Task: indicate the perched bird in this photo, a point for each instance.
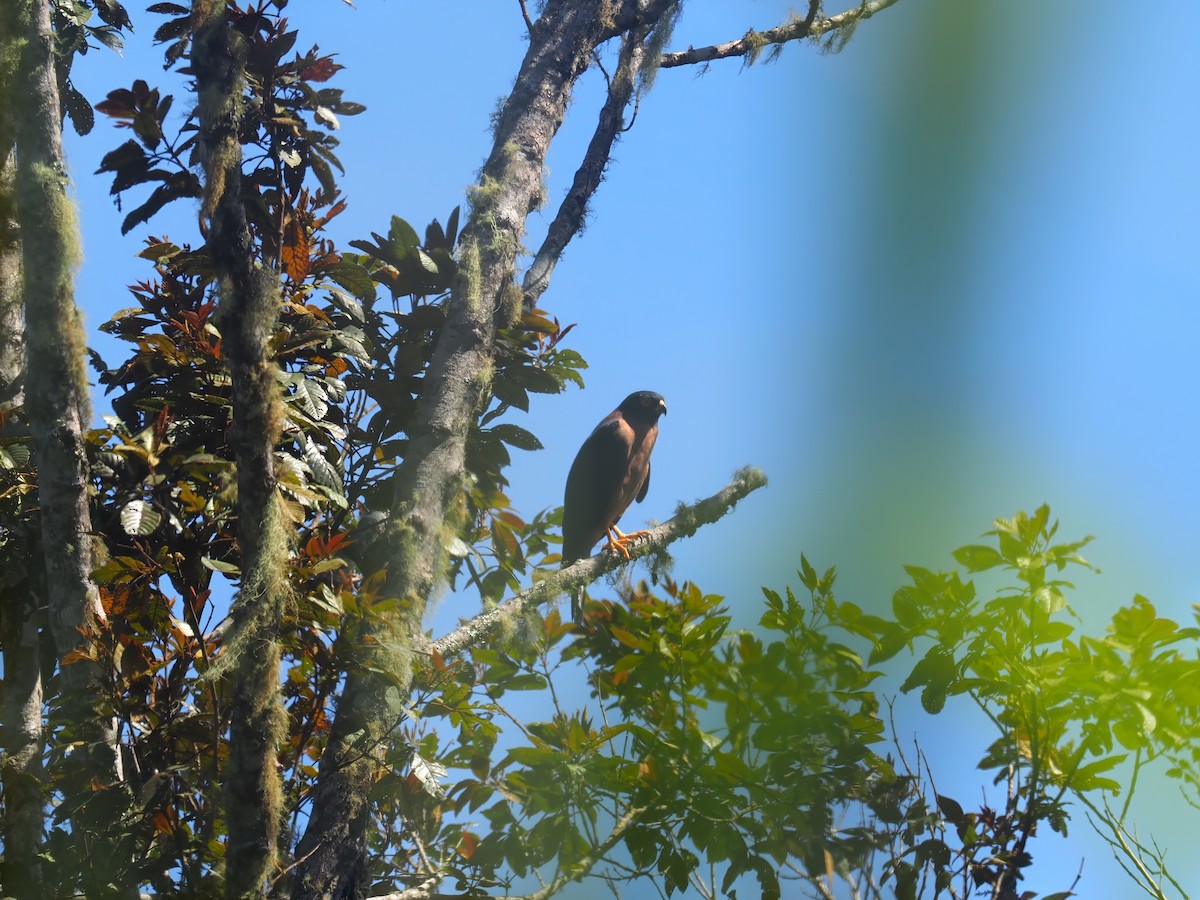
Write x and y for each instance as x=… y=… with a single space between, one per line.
x=611 y=470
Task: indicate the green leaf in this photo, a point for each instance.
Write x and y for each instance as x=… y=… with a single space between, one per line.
x=808 y=575
x=355 y=279
x=511 y=393
x=535 y=379
x=139 y=518
x=951 y=809
x=323 y=471
x=935 y=671
x=1086 y=778
x=402 y=235
x=310 y=396
x=516 y=436
x=906 y=609
x=79 y=110
x=218 y=565
x=430 y=774
x=978 y=557
x=892 y=639
x=177 y=186
x=426 y=261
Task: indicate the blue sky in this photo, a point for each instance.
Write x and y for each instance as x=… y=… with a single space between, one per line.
x=947 y=274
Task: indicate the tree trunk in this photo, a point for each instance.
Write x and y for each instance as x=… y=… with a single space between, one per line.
x=249 y=296
x=429 y=500
x=22 y=773
x=57 y=400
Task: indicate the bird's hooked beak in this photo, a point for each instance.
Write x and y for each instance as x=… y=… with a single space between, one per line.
x=663 y=404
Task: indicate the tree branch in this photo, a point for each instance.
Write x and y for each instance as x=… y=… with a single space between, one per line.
x=753 y=42
x=21 y=772
x=586 y=864
x=249 y=303
x=428 y=503
x=568 y=222
x=525 y=15
x=688 y=519
x=58 y=410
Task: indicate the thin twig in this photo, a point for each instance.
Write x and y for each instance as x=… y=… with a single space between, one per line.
x=525 y=15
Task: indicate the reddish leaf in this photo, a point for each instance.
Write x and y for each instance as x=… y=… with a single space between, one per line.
x=321 y=70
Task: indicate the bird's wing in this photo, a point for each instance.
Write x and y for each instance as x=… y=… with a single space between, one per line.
x=641 y=495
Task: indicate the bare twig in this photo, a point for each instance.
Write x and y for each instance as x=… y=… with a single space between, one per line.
x=687 y=520
x=526 y=17
x=426 y=890
x=752 y=43
x=1129 y=851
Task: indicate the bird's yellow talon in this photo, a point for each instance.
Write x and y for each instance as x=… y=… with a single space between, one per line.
x=620 y=542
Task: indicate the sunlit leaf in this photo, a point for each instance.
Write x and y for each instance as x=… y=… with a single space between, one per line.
x=139 y=518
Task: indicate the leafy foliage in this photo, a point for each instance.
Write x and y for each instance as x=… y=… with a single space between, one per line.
x=704 y=757
x=1067 y=709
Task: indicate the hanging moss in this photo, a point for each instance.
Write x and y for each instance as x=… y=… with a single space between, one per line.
x=656 y=42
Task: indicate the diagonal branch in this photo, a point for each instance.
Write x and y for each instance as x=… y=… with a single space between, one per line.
x=752 y=43
x=687 y=521
x=428 y=502
x=568 y=222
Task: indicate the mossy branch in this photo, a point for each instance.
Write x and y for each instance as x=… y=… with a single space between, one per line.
x=249 y=305
x=57 y=401
x=569 y=220
x=837 y=29
x=688 y=519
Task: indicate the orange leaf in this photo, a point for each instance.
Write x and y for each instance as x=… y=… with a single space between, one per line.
x=466 y=847
x=297 y=249
x=83 y=653
x=321 y=70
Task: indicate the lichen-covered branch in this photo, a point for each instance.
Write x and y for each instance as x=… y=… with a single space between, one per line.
x=750 y=45
x=56 y=392
x=21 y=724
x=430 y=506
x=569 y=220
x=12 y=318
x=249 y=301
x=687 y=520
x=22 y=774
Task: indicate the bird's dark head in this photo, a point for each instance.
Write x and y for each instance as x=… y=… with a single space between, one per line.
x=643 y=406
